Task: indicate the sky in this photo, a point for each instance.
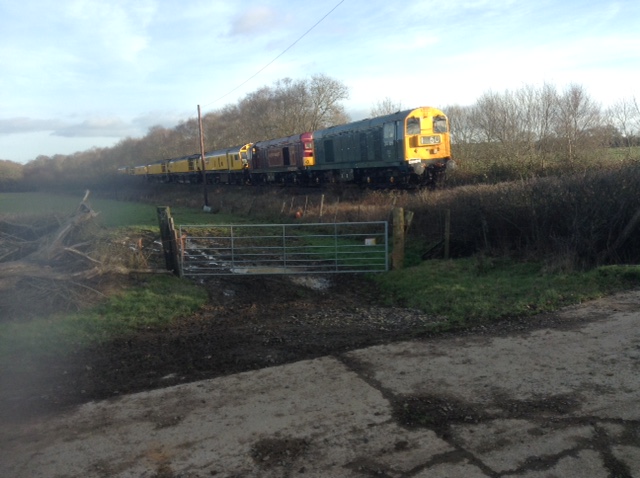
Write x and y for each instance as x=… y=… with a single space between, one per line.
x=77 y=74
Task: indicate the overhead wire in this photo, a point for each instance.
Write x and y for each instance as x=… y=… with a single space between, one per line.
x=273 y=61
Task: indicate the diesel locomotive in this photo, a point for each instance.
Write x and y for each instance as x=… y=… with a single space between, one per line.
x=410 y=148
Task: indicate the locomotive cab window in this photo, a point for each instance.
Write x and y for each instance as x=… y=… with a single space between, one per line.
x=413 y=125
x=439 y=124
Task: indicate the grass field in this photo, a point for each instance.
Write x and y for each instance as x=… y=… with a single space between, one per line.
x=111 y=213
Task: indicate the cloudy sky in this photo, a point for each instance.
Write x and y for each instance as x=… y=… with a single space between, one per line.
x=81 y=73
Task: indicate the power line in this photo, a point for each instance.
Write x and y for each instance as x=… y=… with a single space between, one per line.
x=272 y=61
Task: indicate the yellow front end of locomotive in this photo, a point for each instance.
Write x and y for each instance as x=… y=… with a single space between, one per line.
x=427 y=137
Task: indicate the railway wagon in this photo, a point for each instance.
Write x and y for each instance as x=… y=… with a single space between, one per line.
x=411 y=147
x=186 y=169
x=283 y=160
x=140 y=170
x=229 y=165
x=126 y=170
x=157 y=171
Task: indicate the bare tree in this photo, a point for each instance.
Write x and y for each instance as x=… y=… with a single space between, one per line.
x=463 y=129
x=158 y=144
x=291 y=107
x=578 y=115
x=547 y=113
x=622 y=114
x=385 y=107
x=325 y=95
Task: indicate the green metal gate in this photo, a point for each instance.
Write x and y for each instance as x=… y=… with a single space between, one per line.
x=323 y=248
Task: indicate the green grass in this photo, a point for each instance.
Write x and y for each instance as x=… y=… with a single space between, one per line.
x=157 y=302
x=111 y=213
x=473 y=290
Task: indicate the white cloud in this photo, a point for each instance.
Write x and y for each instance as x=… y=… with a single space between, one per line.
x=27 y=146
x=119 y=25
x=28 y=125
x=97 y=127
x=253 y=21
x=166 y=119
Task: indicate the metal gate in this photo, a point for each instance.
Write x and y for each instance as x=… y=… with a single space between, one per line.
x=329 y=248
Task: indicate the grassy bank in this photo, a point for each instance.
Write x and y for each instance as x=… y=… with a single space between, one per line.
x=470 y=291
x=155 y=302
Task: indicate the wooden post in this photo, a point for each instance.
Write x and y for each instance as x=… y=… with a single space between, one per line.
x=169 y=239
x=447 y=232
x=397 y=256
x=408 y=219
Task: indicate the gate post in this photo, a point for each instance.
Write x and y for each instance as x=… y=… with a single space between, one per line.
x=169 y=239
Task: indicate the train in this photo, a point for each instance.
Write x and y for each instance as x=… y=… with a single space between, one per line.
x=410 y=148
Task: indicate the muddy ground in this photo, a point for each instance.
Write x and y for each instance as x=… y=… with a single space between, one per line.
x=249 y=323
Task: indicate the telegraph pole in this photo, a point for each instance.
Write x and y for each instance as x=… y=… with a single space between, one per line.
x=202 y=163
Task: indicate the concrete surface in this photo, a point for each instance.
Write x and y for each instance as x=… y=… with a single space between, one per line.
x=554 y=402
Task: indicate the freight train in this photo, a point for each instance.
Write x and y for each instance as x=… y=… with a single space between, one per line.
x=410 y=148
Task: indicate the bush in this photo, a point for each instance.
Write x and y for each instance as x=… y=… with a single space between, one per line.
x=587 y=217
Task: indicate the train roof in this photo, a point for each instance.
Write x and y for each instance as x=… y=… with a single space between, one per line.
x=232 y=149
x=283 y=140
x=377 y=120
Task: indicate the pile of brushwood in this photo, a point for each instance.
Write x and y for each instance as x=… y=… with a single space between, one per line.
x=48 y=263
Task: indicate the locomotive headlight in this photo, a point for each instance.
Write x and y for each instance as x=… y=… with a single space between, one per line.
x=425 y=140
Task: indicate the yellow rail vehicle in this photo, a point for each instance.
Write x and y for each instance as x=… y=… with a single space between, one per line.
x=140 y=170
x=185 y=169
x=159 y=168
x=228 y=165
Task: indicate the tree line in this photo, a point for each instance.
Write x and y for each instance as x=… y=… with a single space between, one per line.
x=544 y=128
x=536 y=126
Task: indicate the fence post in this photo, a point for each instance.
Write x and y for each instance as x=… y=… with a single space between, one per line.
x=169 y=239
x=447 y=233
x=397 y=256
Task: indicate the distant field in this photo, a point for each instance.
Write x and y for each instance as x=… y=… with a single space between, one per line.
x=623 y=153
x=111 y=213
